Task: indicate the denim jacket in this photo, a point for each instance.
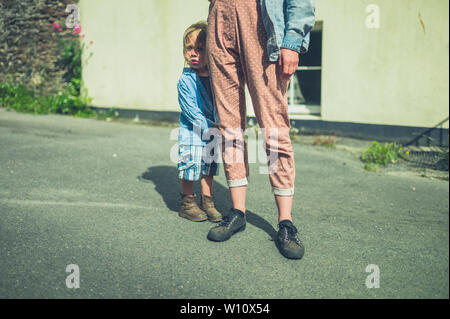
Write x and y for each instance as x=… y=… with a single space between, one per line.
x=287 y=23
x=198 y=112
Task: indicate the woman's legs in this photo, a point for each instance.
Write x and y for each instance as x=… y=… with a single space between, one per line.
x=284 y=204
x=238 y=195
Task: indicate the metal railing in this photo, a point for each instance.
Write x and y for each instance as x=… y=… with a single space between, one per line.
x=427 y=135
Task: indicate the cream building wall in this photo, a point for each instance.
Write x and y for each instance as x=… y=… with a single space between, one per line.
x=137 y=51
x=394 y=75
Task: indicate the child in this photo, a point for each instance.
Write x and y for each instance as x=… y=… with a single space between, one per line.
x=197 y=116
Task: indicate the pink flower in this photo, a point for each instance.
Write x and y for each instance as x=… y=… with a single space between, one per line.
x=83 y=36
x=60 y=29
x=77 y=29
x=55 y=26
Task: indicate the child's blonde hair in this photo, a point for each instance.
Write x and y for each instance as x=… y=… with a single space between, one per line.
x=202 y=26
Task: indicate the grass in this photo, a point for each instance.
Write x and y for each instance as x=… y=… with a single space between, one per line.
x=319 y=140
x=327 y=141
x=22 y=99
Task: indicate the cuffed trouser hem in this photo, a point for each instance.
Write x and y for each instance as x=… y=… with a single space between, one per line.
x=238 y=183
x=283 y=191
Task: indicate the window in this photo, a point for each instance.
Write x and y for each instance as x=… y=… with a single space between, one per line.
x=305 y=87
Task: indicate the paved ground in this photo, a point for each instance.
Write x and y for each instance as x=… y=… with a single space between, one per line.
x=104 y=196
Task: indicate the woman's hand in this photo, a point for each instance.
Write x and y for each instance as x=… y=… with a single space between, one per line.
x=288 y=62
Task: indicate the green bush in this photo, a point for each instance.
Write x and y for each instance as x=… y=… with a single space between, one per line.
x=71 y=61
x=69 y=101
x=383 y=154
x=22 y=99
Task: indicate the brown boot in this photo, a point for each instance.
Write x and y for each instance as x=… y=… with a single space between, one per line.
x=190 y=210
x=210 y=210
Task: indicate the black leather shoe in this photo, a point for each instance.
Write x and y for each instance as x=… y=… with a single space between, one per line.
x=232 y=223
x=288 y=242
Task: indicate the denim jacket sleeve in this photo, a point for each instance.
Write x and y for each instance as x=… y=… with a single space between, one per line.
x=189 y=104
x=299 y=20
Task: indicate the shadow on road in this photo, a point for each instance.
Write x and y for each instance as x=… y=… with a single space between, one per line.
x=165 y=179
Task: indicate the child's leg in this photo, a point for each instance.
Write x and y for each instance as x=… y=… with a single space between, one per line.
x=187 y=187
x=210 y=167
x=209 y=170
x=189 y=171
x=207 y=185
x=208 y=205
x=189 y=165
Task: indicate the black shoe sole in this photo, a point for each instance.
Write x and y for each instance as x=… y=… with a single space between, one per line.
x=221 y=239
x=290 y=255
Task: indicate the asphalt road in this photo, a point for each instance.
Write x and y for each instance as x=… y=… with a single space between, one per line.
x=104 y=196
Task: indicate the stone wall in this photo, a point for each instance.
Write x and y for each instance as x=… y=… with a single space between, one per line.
x=29 y=49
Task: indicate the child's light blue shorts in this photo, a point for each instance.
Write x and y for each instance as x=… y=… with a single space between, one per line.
x=192 y=164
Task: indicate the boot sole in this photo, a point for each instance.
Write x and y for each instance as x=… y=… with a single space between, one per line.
x=201 y=219
x=214 y=220
x=212 y=238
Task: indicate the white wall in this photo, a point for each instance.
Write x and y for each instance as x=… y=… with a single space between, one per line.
x=395 y=75
x=137 y=51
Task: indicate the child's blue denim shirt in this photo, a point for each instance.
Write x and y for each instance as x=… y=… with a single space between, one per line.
x=198 y=112
x=287 y=24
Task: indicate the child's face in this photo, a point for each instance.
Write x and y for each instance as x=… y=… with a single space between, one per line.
x=195 y=54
